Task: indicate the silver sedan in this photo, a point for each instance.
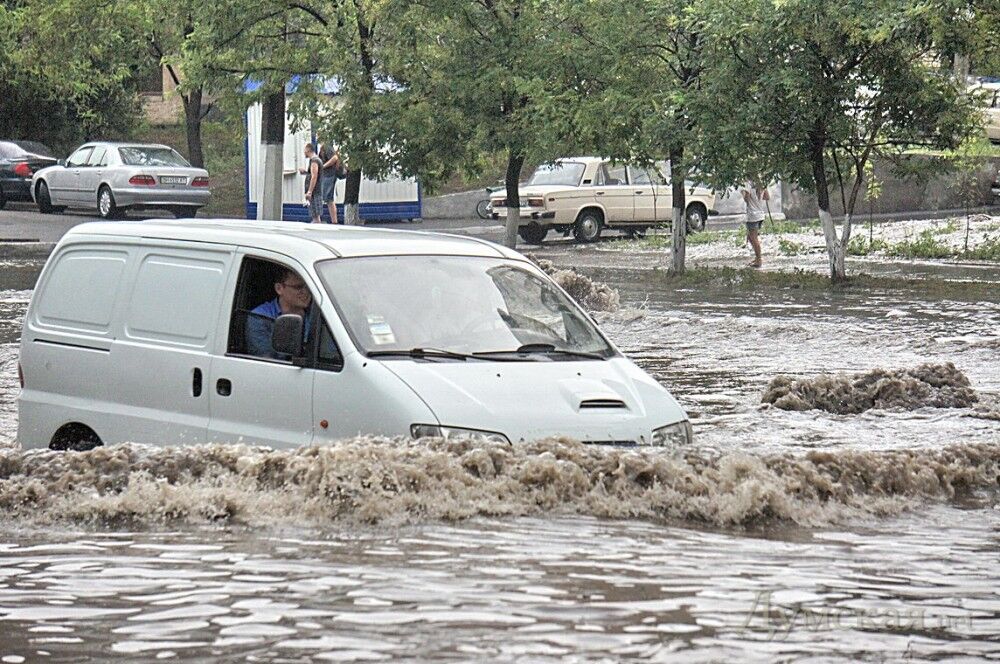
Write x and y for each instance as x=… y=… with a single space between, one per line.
x=115 y=177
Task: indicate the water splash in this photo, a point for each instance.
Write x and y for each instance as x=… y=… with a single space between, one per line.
x=928 y=385
x=385 y=481
x=593 y=295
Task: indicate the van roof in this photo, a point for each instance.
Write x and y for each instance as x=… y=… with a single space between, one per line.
x=319 y=240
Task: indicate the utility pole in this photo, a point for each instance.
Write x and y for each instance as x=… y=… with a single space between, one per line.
x=272 y=143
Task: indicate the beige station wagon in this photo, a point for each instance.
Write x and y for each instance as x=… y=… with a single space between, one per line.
x=585 y=195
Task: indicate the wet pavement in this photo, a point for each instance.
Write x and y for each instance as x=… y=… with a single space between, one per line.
x=870 y=537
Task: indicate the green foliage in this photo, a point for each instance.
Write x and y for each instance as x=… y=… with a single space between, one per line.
x=57 y=87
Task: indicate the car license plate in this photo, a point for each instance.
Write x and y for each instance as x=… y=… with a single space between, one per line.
x=173 y=179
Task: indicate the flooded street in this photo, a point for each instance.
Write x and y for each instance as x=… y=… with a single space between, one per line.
x=781 y=535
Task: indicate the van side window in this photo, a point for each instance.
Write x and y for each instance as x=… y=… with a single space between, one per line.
x=328 y=355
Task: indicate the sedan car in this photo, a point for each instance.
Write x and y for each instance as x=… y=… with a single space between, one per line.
x=18 y=162
x=588 y=194
x=115 y=177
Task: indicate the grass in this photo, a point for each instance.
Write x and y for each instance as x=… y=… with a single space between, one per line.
x=791 y=248
x=223 y=146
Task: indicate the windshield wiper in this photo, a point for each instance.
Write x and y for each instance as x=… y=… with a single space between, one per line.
x=421 y=353
x=545 y=349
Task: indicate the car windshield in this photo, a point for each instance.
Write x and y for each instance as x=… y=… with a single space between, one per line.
x=563 y=173
x=458 y=304
x=137 y=155
x=35 y=148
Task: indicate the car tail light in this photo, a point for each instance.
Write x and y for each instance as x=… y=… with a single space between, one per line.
x=142 y=180
x=20 y=375
x=22 y=170
x=536 y=202
x=199 y=182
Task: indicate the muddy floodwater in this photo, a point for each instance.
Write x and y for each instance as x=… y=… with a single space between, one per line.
x=781 y=535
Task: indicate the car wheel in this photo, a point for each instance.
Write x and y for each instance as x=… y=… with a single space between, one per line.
x=43 y=198
x=588 y=226
x=3 y=198
x=696 y=217
x=533 y=233
x=106 y=203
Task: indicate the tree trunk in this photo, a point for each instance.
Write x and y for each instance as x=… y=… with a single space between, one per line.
x=834 y=249
x=515 y=161
x=352 y=190
x=192 y=127
x=272 y=139
x=678 y=229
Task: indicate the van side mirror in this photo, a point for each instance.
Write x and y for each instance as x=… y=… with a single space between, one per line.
x=286 y=339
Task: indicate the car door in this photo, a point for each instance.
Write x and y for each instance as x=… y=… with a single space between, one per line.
x=257 y=400
x=163 y=352
x=613 y=192
x=64 y=183
x=90 y=177
x=645 y=195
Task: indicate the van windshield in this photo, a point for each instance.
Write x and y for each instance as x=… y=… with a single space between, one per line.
x=458 y=304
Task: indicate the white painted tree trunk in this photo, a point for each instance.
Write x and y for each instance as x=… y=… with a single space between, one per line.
x=836 y=246
x=513 y=217
x=679 y=242
x=352 y=215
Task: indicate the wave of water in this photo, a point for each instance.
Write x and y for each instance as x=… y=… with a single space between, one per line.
x=385 y=481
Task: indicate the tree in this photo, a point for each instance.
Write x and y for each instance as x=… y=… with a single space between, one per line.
x=637 y=69
x=56 y=88
x=484 y=69
x=811 y=92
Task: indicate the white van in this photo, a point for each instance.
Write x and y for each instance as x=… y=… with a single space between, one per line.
x=180 y=332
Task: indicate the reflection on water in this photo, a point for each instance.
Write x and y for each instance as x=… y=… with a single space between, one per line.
x=644 y=582
x=531 y=588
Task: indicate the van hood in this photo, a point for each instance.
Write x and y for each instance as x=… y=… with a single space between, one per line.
x=597 y=400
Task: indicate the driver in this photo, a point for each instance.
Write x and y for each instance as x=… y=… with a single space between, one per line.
x=293 y=297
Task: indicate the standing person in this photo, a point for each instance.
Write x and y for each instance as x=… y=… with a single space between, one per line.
x=314 y=198
x=755 y=195
x=330 y=156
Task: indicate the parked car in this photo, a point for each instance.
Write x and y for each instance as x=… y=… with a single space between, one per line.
x=115 y=177
x=588 y=194
x=18 y=162
x=146 y=332
x=987 y=91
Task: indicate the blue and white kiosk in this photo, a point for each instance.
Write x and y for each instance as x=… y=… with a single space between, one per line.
x=393 y=199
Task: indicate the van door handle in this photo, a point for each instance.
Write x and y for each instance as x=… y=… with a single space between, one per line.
x=224 y=387
x=196 y=383
x=598 y=193
x=639 y=192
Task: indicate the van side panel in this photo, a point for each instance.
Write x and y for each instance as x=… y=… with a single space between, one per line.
x=162 y=354
x=66 y=342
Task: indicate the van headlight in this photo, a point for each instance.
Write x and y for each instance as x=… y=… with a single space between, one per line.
x=438 y=431
x=678 y=433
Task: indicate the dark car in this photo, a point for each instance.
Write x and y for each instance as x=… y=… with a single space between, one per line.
x=18 y=162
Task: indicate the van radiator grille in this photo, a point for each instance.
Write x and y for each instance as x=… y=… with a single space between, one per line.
x=602 y=403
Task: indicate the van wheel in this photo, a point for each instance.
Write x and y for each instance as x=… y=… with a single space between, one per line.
x=75 y=437
x=588 y=226
x=533 y=233
x=696 y=215
x=106 y=203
